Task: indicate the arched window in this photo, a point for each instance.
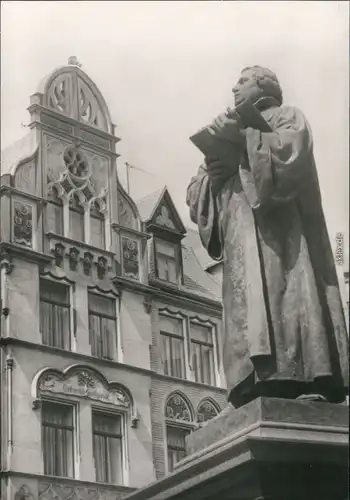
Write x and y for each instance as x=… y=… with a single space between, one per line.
x=58 y=395
x=179 y=423
x=54 y=212
x=206 y=411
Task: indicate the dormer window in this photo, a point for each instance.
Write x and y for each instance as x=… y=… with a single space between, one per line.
x=167 y=261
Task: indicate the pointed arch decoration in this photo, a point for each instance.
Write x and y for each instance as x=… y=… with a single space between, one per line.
x=178 y=409
x=207 y=410
x=69 y=91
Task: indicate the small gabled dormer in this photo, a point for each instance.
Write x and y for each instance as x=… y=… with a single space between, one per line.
x=163 y=222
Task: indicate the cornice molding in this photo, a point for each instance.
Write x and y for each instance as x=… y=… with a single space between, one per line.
x=25 y=253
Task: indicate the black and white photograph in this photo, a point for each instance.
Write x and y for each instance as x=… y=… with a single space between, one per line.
x=174 y=250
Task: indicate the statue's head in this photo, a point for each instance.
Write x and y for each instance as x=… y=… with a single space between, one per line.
x=256 y=82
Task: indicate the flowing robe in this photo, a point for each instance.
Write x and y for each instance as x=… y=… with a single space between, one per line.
x=282 y=310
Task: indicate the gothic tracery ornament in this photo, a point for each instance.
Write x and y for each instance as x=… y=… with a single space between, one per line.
x=206 y=411
x=177 y=409
x=164 y=219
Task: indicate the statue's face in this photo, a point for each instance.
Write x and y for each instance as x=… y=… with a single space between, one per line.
x=246 y=88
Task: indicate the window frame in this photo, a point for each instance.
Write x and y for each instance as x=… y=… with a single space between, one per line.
x=177 y=259
x=123 y=415
x=75 y=206
x=163 y=333
x=188 y=428
x=71 y=309
x=116 y=338
x=98 y=215
x=54 y=200
x=211 y=327
x=74 y=406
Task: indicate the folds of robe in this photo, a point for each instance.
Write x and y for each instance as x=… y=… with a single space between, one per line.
x=282 y=310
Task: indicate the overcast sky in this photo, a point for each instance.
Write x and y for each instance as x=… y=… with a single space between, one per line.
x=167 y=68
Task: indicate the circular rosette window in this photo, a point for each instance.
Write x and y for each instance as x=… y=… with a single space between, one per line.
x=77 y=164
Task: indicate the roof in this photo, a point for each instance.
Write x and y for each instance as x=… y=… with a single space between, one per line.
x=16 y=152
x=196 y=278
x=148 y=203
x=192 y=239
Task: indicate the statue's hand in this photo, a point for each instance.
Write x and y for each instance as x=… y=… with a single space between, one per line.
x=228 y=128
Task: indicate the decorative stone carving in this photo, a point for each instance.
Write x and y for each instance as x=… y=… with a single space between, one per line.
x=6 y=262
x=84 y=383
x=75 y=171
x=87 y=262
x=147 y=304
x=23 y=223
x=59 y=94
x=101 y=267
x=89 y=108
x=24 y=493
x=73 y=258
x=176 y=408
x=130 y=256
x=206 y=411
x=163 y=219
x=67 y=491
x=76 y=163
x=59 y=252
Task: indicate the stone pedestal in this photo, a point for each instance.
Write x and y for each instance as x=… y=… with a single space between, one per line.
x=269 y=449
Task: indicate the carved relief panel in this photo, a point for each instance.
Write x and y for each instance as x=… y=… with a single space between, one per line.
x=130 y=258
x=84 y=383
x=22 y=223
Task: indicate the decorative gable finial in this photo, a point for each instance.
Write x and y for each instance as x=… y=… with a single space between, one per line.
x=73 y=61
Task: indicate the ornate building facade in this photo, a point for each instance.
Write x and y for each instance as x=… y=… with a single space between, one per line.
x=110 y=323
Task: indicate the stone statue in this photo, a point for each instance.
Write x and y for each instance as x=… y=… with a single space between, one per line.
x=284 y=330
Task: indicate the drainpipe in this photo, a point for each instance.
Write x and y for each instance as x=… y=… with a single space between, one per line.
x=9 y=368
x=6 y=268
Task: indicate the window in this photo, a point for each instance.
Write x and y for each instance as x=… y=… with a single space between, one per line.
x=167 y=261
x=102 y=326
x=176 y=445
x=76 y=220
x=58 y=439
x=97 y=228
x=54 y=213
x=202 y=353
x=55 y=314
x=172 y=346
x=107 y=447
